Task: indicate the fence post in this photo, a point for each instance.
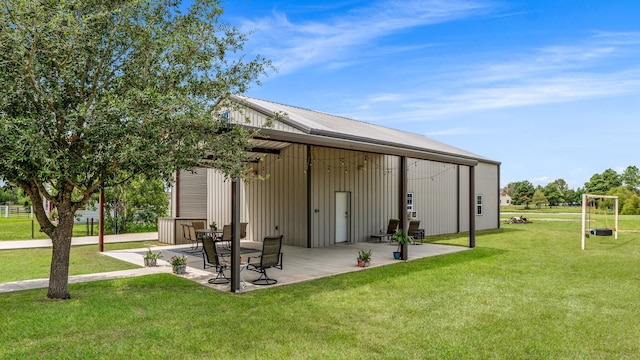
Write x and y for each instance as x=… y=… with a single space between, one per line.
x=91 y=226
x=32 y=234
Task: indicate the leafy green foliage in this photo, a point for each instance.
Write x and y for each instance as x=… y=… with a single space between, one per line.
x=94 y=92
x=138 y=202
x=522 y=192
x=601 y=183
x=8 y=194
x=539 y=199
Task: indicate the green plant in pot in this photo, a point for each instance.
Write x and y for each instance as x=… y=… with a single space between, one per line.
x=403 y=244
x=213 y=226
x=178 y=264
x=151 y=258
x=364 y=258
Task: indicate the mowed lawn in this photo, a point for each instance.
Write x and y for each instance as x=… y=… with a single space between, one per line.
x=26 y=229
x=526 y=292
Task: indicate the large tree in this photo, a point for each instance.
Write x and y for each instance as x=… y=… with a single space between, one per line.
x=600 y=184
x=93 y=92
x=555 y=191
x=523 y=192
x=631 y=177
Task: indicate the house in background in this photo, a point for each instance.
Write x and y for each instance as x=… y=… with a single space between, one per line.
x=329 y=179
x=505 y=199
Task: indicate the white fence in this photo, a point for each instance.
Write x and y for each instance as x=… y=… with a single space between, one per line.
x=16 y=211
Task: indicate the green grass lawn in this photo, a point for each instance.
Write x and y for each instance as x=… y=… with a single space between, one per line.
x=526 y=292
x=27 y=264
x=21 y=229
x=26 y=229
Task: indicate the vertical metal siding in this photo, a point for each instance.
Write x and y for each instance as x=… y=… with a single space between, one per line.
x=486 y=185
x=434 y=188
x=278 y=204
x=193 y=193
x=463 y=212
x=371 y=179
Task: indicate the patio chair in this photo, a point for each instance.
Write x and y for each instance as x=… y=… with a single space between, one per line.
x=271 y=257
x=243 y=230
x=212 y=258
x=198 y=225
x=225 y=238
x=415 y=231
x=191 y=236
x=391 y=229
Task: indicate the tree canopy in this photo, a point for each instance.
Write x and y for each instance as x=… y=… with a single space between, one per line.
x=522 y=193
x=94 y=92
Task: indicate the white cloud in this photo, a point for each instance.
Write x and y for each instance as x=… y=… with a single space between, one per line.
x=292 y=45
x=546 y=75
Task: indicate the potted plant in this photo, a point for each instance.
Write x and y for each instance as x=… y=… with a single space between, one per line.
x=178 y=264
x=151 y=258
x=364 y=258
x=403 y=244
x=213 y=226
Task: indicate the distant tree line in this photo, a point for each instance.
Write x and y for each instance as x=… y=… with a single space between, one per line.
x=626 y=186
x=13 y=195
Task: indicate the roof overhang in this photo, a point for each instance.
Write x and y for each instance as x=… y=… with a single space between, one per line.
x=330 y=139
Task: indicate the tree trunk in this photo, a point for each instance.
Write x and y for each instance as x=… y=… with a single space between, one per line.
x=59 y=274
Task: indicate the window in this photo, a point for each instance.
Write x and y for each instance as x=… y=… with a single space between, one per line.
x=478 y=204
x=409 y=202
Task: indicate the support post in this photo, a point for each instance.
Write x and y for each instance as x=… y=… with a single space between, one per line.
x=101 y=222
x=235 y=235
x=402 y=206
x=584 y=219
x=472 y=207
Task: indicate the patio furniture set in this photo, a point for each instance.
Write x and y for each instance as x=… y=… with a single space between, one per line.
x=387 y=235
x=216 y=252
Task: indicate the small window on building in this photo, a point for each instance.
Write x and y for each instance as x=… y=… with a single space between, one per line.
x=409 y=202
x=479 y=205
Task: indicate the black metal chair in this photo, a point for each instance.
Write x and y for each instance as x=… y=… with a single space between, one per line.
x=271 y=257
x=212 y=258
x=415 y=231
x=391 y=229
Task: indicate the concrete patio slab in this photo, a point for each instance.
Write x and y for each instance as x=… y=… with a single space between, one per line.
x=299 y=264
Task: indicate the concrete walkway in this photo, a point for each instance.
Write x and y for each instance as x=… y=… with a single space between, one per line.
x=84 y=240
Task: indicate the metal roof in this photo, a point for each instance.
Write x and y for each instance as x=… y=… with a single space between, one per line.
x=325 y=129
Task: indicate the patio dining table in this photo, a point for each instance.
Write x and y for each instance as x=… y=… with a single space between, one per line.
x=215 y=234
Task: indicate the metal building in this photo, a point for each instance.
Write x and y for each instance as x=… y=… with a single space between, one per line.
x=329 y=179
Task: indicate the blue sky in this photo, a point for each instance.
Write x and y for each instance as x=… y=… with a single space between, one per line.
x=549 y=88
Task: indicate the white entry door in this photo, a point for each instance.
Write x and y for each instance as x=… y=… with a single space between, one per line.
x=343 y=216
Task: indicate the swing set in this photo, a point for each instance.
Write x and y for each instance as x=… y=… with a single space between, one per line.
x=586 y=218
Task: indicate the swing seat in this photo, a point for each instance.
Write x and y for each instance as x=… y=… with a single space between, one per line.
x=601 y=232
